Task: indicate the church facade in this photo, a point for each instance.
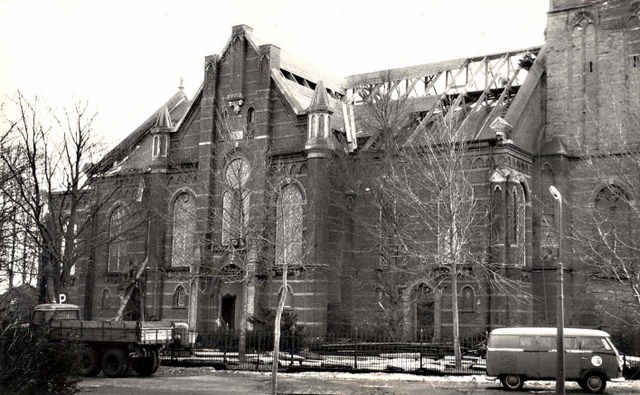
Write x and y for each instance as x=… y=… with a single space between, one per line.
x=203 y=205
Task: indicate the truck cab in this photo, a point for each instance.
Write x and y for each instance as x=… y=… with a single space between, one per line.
x=44 y=313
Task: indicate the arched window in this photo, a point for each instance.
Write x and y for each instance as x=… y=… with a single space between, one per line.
x=156 y=146
x=521 y=224
x=250 y=121
x=468 y=296
x=497 y=217
x=633 y=68
x=289 y=226
x=235 y=201
x=68 y=245
x=584 y=76
x=612 y=204
x=444 y=228
x=613 y=225
x=511 y=217
x=105 y=302
x=185 y=249
x=633 y=40
x=118 y=243
x=180 y=297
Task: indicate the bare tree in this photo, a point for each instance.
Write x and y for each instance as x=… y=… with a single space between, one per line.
x=433 y=225
x=47 y=181
x=605 y=231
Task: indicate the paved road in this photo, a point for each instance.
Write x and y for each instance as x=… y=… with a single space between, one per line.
x=208 y=381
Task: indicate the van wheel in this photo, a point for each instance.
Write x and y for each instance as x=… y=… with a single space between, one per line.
x=594 y=383
x=512 y=382
x=115 y=363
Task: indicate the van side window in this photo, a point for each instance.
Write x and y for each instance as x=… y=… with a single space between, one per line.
x=528 y=343
x=591 y=343
x=571 y=343
x=547 y=343
x=504 y=341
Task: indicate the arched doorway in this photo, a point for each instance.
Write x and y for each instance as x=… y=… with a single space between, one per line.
x=228 y=311
x=424 y=312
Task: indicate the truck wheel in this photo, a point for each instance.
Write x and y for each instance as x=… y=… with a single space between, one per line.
x=115 y=363
x=147 y=366
x=88 y=362
x=594 y=383
x=512 y=382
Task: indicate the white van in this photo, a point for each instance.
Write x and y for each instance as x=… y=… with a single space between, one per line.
x=515 y=355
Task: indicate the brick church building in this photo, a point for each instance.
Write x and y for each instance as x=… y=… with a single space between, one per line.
x=191 y=215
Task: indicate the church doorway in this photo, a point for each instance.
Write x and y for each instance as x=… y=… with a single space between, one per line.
x=228 y=311
x=426 y=313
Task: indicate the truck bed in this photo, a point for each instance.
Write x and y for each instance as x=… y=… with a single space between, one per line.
x=143 y=332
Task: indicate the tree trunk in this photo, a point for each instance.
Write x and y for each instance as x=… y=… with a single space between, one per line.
x=276 y=331
x=454 y=256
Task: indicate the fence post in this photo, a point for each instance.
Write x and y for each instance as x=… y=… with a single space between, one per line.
x=224 y=346
x=355 y=351
x=421 y=338
x=291 y=342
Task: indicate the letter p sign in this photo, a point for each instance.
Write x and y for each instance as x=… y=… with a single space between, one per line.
x=62 y=298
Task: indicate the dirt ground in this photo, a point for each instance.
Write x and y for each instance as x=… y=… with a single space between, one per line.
x=205 y=380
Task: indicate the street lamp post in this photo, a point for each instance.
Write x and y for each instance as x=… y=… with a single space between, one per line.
x=560 y=309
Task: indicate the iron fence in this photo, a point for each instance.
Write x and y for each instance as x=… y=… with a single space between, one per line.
x=351 y=352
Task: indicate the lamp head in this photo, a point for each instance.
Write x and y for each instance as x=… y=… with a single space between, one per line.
x=555 y=193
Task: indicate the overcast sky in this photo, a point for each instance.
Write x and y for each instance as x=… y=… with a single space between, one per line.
x=127 y=57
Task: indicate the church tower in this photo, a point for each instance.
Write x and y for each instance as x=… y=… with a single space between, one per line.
x=588 y=41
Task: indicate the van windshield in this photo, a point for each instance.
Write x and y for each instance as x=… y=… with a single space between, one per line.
x=594 y=344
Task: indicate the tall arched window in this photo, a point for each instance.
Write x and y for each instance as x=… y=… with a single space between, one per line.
x=250 y=121
x=614 y=226
x=497 y=224
x=185 y=249
x=497 y=217
x=548 y=227
x=118 y=242
x=289 y=226
x=520 y=225
x=583 y=68
x=511 y=217
x=235 y=201
x=633 y=68
x=180 y=297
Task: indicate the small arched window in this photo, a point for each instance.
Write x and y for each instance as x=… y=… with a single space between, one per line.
x=156 y=146
x=468 y=296
x=180 y=297
x=106 y=299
